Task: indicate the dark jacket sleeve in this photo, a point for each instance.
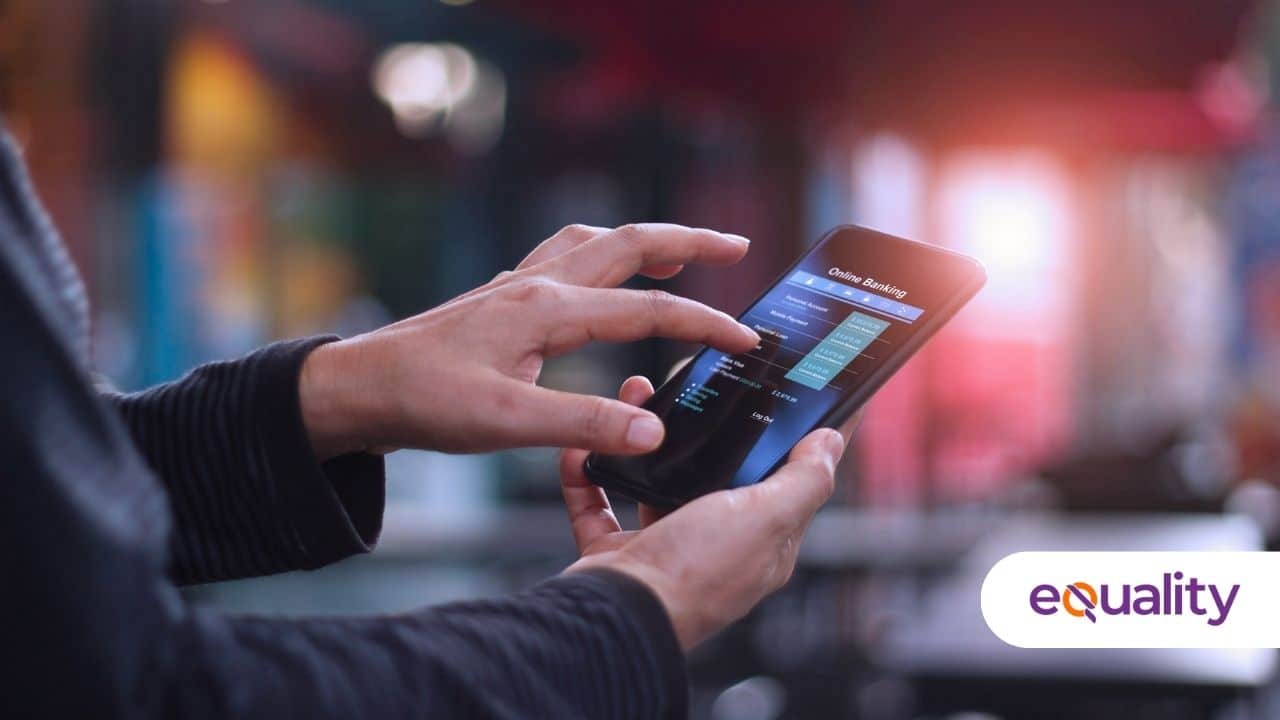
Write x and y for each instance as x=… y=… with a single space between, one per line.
x=94 y=628
x=592 y=645
x=249 y=498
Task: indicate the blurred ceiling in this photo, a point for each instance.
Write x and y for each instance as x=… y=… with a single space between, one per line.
x=1086 y=74
x=1130 y=73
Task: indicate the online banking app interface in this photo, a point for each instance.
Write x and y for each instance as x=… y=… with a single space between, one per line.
x=823 y=328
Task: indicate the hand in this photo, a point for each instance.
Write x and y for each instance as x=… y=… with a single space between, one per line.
x=712 y=560
x=461 y=377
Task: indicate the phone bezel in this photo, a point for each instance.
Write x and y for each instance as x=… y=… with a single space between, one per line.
x=857 y=397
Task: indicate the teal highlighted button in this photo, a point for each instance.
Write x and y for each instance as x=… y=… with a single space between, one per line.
x=836 y=350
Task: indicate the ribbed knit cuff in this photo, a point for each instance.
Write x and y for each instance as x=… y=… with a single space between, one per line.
x=647 y=638
x=335 y=507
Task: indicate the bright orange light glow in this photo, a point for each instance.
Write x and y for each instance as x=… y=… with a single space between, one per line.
x=888 y=186
x=1012 y=213
x=989 y=399
x=1006 y=225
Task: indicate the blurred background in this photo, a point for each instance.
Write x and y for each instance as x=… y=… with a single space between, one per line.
x=229 y=172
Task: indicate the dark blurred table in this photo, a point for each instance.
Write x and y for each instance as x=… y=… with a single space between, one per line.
x=839 y=538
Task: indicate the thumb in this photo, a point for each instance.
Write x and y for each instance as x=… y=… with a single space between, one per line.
x=802 y=485
x=544 y=417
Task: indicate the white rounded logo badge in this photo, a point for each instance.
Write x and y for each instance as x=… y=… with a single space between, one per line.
x=1134 y=599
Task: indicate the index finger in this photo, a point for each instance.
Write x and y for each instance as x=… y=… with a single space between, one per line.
x=610 y=258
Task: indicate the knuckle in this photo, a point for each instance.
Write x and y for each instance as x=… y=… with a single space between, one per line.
x=783 y=575
x=503 y=277
x=505 y=405
x=659 y=303
x=632 y=234
x=575 y=231
x=820 y=472
x=786 y=565
x=532 y=290
x=819 y=477
x=776 y=524
x=594 y=418
x=826 y=480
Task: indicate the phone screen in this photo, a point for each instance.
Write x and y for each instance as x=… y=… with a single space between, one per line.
x=832 y=329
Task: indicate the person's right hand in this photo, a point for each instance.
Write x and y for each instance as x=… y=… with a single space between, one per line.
x=712 y=560
x=462 y=377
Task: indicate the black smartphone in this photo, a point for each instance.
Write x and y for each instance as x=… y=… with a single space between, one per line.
x=834 y=327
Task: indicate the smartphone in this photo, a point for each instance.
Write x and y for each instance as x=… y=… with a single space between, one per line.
x=833 y=328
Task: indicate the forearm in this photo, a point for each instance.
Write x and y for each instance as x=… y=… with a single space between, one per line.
x=592 y=646
x=249 y=496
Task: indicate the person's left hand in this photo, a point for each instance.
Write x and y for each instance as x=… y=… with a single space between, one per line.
x=709 y=561
x=462 y=377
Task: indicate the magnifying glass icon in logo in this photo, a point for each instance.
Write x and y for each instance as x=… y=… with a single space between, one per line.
x=1083 y=593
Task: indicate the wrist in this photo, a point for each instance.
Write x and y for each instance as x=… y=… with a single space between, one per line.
x=328 y=404
x=689 y=626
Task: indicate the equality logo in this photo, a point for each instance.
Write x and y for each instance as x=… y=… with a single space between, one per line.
x=1134 y=599
x=1171 y=597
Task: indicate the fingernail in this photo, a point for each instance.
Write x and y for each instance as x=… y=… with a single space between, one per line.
x=750 y=332
x=644 y=432
x=835 y=445
x=739 y=238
